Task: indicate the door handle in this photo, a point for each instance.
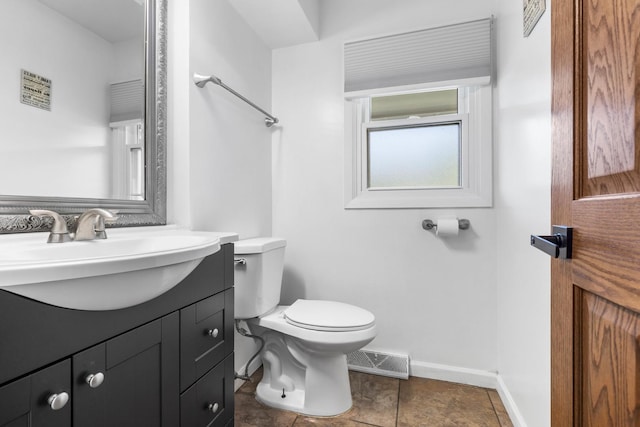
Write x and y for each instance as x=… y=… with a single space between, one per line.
x=558 y=245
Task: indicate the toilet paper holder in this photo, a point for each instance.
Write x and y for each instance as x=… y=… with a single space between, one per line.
x=463 y=224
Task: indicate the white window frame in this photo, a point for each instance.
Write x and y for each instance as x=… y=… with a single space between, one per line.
x=475 y=112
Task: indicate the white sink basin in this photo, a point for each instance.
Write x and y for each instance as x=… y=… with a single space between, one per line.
x=132 y=266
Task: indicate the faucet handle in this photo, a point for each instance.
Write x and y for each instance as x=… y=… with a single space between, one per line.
x=90 y=225
x=99 y=226
x=59 y=231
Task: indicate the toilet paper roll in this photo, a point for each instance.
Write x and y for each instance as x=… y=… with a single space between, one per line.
x=447 y=227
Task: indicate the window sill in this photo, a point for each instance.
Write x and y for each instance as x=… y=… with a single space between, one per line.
x=419 y=199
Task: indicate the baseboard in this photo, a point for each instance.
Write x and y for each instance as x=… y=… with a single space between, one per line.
x=510 y=405
x=454 y=374
x=475 y=377
x=255 y=364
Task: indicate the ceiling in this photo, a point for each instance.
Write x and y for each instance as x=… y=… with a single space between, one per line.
x=113 y=20
x=281 y=23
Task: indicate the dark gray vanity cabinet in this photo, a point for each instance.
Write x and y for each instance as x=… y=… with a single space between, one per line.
x=166 y=363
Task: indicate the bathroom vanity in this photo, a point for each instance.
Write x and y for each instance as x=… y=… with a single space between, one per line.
x=166 y=362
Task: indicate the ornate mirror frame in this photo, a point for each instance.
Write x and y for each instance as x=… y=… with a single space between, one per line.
x=14 y=210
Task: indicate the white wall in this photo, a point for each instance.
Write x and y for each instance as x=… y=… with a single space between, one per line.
x=433 y=299
x=178 y=116
x=523 y=163
x=479 y=302
x=128 y=61
x=219 y=148
x=230 y=144
x=74 y=135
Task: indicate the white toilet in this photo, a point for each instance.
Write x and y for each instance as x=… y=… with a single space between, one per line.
x=304 y=356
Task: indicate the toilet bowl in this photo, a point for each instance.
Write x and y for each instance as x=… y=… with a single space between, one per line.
x=306 y=343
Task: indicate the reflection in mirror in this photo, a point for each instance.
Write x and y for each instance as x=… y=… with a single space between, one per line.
x=82 y=111
x=78 y=70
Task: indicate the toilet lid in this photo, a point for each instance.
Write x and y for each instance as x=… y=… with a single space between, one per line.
x=328 y=316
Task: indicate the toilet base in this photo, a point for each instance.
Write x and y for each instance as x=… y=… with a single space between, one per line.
x=325 y=395
x=310 y=366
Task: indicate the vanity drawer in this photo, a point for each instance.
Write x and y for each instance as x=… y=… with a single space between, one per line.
x=209 y=402
x=206 y=336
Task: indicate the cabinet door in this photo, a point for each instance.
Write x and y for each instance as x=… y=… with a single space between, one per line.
x=39 y=400
x=139 y=381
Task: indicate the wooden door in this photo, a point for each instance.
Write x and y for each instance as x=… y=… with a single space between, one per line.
x=595 y=302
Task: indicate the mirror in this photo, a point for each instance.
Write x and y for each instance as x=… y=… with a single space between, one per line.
x=84 y=116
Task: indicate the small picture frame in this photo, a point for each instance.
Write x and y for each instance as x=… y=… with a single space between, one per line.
x=532 y=10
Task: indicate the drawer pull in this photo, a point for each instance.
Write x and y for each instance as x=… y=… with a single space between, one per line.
x=94 y=380
x=58 y=401
x=213 y=407
x=213 y=332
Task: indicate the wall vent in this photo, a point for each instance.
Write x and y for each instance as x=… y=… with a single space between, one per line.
x=379 y=363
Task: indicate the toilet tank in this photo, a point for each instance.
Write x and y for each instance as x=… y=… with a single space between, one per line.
x=258 y=279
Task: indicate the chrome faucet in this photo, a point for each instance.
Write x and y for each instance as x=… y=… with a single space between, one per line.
x=59 y=231
x=91 y=224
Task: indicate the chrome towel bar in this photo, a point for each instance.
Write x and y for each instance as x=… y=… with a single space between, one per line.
x=201 y=81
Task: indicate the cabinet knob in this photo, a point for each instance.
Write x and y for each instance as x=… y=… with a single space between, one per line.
x=213 y=332
x=213 y=407
x=58 y=401
x=94 y=380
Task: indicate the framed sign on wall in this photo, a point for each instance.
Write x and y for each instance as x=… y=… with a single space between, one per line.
x=35 y=90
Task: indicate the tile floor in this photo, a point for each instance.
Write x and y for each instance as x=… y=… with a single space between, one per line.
x=387 y=402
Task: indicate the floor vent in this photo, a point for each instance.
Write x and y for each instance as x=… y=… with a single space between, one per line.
x=374 y=362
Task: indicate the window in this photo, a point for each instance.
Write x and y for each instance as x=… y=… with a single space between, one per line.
x=127 y=140
x=127 y=159
x=405 y=150
x=422 y=149
x=418 y=126
x=415 y=156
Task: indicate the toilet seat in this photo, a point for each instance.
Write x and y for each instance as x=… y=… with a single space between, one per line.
x=328 y=316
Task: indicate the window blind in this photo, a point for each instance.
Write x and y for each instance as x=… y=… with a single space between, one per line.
x=452 y=52
x=127 y=100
